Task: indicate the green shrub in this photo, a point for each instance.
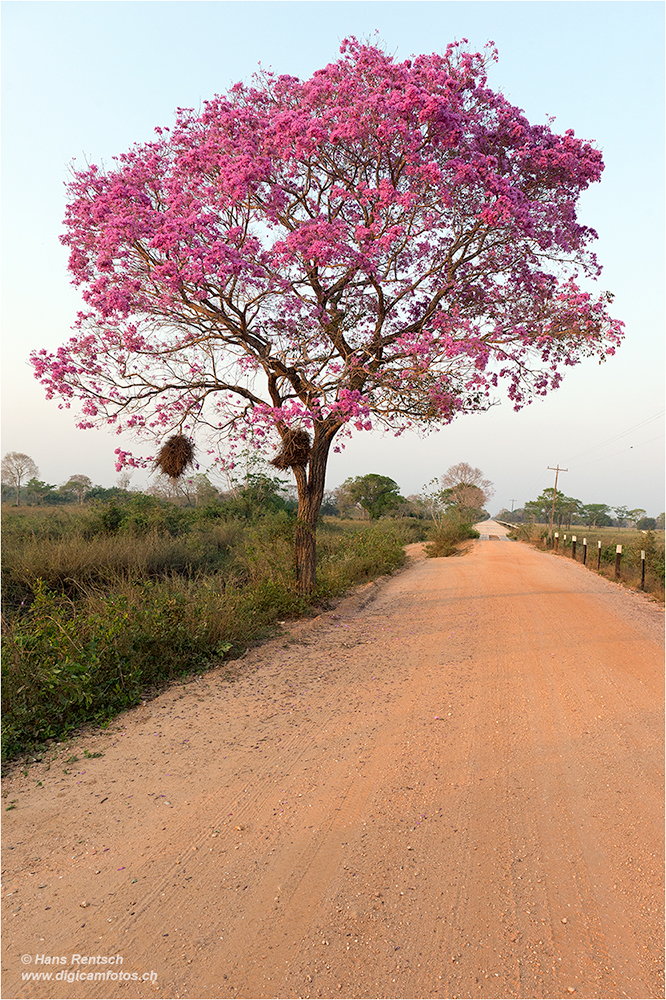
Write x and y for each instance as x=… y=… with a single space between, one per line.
x=351 y=556
x=446 y=537
x=66 y=663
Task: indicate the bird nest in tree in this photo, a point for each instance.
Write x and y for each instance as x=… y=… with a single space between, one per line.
x=295 y=450
x=174 y=456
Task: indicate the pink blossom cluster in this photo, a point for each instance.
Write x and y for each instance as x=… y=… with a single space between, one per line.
x=387 y=243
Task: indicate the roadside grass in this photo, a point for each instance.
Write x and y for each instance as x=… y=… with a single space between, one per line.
x=94 y=619
x=631 y=540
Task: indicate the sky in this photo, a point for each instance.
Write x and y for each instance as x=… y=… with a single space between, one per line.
x=83 y=81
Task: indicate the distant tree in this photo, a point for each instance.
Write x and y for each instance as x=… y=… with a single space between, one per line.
x=200 y=488
x=47 y=494
x=79 y=485
x=516 y=516
x=621 y=515
x=329 y=505
x=16 y=468
x=596 y=515
x=385 y=243
x=124 y=480
x=539 y=510
x=375 y=494
x=566 y=508
x=176 y=491
x=647 y=524
x=569 y=509
x=412 y=506
x=635 y=515
x=661 y=520
x=466 y=488
x=435 y=501
x=105 y=493
x=188 y=490
x=256 y=496
x=464 y=475
x=462 y=490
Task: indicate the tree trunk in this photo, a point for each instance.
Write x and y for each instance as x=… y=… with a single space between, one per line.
x=310 y=481
x=305 y=545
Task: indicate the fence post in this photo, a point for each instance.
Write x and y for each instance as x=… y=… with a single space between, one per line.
x=573 y=546
x=584 y=551
x=642 y=569
x=557 y=541
x=618 y=557
x=599 y=557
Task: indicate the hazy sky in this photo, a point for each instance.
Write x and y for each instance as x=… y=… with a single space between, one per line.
x=85 y=80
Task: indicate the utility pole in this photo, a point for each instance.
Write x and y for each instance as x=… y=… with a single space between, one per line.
x=512 y=503
x=552 y=510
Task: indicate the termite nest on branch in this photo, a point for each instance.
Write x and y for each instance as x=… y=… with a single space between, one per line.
x=175 y=455
x=295 y=450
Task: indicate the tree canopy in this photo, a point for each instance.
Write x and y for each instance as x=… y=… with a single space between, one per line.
x=387 y=243
x=461 y=491
x=78 y=484
x=375 y=494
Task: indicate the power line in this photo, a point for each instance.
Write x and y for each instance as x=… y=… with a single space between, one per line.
x=610 y=440
x=602 y=458
x=536 y=484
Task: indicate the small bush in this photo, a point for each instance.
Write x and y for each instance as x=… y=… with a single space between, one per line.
x=447 y=536
x=534 y=533
x=351 y=556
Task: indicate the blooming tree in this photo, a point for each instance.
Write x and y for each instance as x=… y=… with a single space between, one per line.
x=384 y=244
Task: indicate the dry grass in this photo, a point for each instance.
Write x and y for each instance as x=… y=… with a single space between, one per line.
x=72 y=563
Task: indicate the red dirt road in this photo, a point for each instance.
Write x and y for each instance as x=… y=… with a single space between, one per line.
x=450 y=786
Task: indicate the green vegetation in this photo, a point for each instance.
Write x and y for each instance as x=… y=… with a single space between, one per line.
x=107 y=602
x=376 y=495
x=446 y=536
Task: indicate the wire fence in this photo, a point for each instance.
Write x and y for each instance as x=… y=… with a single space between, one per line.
x=637 y=560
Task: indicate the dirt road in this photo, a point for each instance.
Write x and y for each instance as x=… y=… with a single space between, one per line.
x=449 y=786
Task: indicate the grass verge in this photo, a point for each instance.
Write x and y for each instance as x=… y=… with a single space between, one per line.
x=93 y=622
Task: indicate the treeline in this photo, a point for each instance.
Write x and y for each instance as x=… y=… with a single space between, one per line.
x=460 y=492
x=36 y=493
x=569 y=511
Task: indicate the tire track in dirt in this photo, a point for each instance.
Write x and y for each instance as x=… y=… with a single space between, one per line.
x=450 y=786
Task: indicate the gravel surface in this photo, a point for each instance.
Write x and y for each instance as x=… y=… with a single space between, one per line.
x=451 y=785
